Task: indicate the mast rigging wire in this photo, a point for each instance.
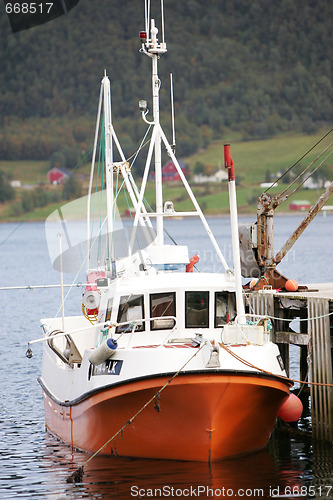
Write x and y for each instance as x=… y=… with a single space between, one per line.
x=292 y=166
x=305 y=169
x=306 y=178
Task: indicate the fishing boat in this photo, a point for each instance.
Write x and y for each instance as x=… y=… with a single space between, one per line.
x=164 y=362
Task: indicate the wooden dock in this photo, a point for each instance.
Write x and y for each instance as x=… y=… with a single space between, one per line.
x=313 y=307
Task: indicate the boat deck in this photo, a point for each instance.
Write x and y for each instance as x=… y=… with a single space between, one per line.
x=318 y=290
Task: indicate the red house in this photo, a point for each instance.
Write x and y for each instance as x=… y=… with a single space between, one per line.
x=170 y=173
x=57 y=175
x=299 y=205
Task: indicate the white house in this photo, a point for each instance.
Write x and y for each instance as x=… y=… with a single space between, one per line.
x=311 y=183
x=15 y=184
x=218 y=176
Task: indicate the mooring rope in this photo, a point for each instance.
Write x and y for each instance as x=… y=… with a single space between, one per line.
x=78 y=473
x=287 y=379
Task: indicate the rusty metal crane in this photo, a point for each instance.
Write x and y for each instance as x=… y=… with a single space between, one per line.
x=257 y=239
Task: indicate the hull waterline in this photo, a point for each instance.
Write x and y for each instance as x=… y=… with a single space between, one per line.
x=198 y=417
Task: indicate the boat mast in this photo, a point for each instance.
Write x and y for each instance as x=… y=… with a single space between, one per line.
x=152 y=48
x=92 y=175
x=108 y=160
x=156 y=116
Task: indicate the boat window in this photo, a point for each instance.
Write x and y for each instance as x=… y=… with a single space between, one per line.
x=162 y=304
x=109 y=310
x=196 y=309
x=225 y=308
x=130 y=309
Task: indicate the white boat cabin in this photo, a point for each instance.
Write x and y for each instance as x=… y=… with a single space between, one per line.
x=181 y=301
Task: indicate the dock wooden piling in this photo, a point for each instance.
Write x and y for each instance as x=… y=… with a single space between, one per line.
x=313 y=307
x=320 y=367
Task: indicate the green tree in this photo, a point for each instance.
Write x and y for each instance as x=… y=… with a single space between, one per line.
x=199 y=167
x=58 y=160
x=234 y=63
x=72 y=157
x=28 y=201
x=7 y=193
x=72 y=188
x=268 y=176
x=40 y=197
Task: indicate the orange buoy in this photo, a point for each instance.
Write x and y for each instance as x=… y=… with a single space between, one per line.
x=291 y=410
x=291 y=285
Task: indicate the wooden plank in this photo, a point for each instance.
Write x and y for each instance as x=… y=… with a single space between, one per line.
x=292 y=338
x=320 y=368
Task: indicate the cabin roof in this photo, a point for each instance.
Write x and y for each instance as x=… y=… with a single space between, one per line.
x=175 y=281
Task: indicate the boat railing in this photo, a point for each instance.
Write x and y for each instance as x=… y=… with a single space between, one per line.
x=50 y=335
x=163 y=322
x=70 y=354
x=259 y=320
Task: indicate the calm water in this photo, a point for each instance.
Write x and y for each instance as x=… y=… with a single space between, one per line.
x=33 y=464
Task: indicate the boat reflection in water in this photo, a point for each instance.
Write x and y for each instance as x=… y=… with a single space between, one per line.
x=280 y=468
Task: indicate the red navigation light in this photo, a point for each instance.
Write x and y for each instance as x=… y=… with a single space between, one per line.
x=143 y=36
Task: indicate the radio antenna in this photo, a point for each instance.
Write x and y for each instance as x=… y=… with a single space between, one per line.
x=147 y=15
x=172 y=116
x=162 y=16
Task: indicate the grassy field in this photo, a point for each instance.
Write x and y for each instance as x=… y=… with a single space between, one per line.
x=253 y=160
x=28 y=172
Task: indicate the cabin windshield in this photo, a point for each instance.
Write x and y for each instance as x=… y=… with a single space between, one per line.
x=130 y=309
x=225 y=308
x=197 y=309
x=162 y=304
x=163 y=308
x=109 y=310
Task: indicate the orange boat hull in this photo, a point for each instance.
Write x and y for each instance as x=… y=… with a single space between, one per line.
x=198 y=417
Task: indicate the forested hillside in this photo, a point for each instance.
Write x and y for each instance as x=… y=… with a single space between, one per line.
x=256 y=66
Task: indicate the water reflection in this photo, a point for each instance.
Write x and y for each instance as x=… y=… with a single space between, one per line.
x=289 y=466
x=118 y=477
x=281 y=464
